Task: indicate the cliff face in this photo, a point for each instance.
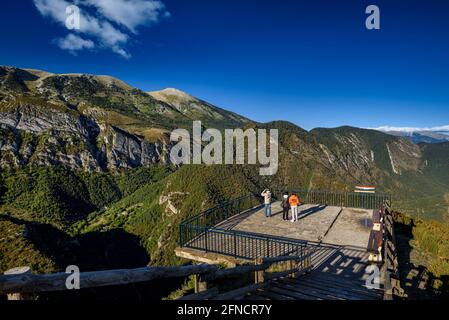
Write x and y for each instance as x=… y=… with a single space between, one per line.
x=32 y=136
x=362 y=151
x=75 y=122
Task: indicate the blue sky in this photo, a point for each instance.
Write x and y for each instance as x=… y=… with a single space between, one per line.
x=310 y=62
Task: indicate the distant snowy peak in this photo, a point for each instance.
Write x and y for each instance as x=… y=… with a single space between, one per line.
x=444 y=128
x=418 y=135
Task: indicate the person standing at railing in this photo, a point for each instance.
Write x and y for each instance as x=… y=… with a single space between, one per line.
x=285 y=206
x=266 y=194
x=294 y=202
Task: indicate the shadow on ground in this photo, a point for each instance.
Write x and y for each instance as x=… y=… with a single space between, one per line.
x=310 y=211
x=417 y=281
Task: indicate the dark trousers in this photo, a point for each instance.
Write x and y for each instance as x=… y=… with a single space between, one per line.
x=285 y=213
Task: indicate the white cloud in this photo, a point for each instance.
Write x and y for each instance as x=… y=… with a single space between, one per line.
x=54 y=9
x=131 y=13
x=121 y=52
x=412 y=129
x=74 y=43
x=109 y=24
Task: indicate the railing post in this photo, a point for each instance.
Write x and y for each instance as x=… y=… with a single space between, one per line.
x=268 y=247
x=20 y=295
x=259 y=275
x=200 y=284
x=309 y=261
x=181 y=240
x=205 y=239
x=235 y=244
x=292 y=265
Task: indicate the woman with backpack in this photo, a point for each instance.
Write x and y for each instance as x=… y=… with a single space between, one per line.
x=285 y=206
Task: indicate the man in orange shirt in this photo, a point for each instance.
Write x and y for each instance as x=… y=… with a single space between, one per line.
x=294 y=202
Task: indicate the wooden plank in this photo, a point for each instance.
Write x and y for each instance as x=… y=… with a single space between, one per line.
x=336 y=280
x=346 y=292
x=359 y=289
x=283 y=294
x=273 y=295
x=313 y=294
x=282 y=289
x=348 y=285
x=337 y=291
x=307 y=290
x=252 y=296
x=310 y=291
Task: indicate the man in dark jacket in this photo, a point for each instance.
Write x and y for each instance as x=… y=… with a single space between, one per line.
x=285 y=206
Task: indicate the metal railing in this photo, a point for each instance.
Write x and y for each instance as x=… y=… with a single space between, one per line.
x=206 y=231
x=194 y=226
x=340 y=199
x=240 y=244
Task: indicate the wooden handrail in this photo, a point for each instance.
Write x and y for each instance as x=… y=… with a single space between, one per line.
x=57 y=281
x=392 y=285
x=31 y=283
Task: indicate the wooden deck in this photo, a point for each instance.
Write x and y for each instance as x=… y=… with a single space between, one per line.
x=316 y=286
x=338 y=274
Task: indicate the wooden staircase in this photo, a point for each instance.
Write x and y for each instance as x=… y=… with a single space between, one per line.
x=316 y=286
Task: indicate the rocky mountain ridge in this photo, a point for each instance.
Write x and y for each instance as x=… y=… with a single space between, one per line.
x=90 y=122
x=98 y=123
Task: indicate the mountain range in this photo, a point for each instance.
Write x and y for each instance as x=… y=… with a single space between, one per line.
x=416 y=135
x=86 y=158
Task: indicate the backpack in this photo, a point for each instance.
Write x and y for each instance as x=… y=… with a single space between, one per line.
x=285 y=203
